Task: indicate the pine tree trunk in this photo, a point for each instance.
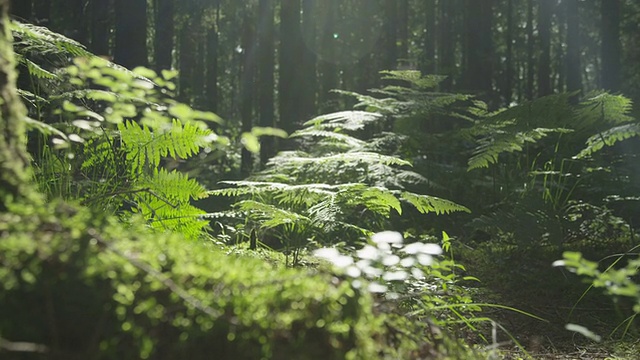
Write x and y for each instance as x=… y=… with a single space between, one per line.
x=246 y=87
x=14 y=176
x=574 y=75
x=530 y=47
x=544 y=35
x=403 y=30
x=328 y=68
x=478 y=64
x=507 y=92
x=446 y=48
x=131 y=33
x=266 y=63
x=428 y=65
x=163 y=41
x=290 y=54
x=309 y=63
x=611 y=47
x=390 y=35
x=100 y=27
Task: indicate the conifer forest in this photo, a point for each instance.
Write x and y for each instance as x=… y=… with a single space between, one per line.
x=319 y=179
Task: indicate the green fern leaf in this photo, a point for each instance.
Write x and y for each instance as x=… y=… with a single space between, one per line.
x=426 y=204
x=609 y=137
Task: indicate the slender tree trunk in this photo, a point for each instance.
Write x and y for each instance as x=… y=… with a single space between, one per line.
x=403 y=30
x=246 y=87
x=390 y=35
x=100 y=27
x=574 y=74
x=14 y=169
x=266 y=63
x=446 y=48
x=21 y=9
x=544 y=35
x=309 y=64
x=163 y=40
x=328 y=68
x=508 y=81
x=428 y=65
x=211 y=84
x=478 y=64
x=611 y=46
x=131 y=33
x=291 y=52
x=560 y=70
x=530 y=48
x=186 y=53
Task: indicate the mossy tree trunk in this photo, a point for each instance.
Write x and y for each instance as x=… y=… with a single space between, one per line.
x=14 y=177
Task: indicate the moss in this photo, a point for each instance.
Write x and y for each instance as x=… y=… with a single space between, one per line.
x=84 y=286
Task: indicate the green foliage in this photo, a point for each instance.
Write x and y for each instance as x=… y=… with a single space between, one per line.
x=338 y=187
x=127 y=292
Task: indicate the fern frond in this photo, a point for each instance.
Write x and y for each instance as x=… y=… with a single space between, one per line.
x=271 y=215
x=609 y=138
x=348 y=120
x=490 y=148
x=426 y=204
x=175 y=186
x=352 y=157
x=41 y=40
x=413 y=77
x=348 y=141
x=604 y=108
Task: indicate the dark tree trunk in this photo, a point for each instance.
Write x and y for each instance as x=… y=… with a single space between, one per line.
x=328 y=68
x=211 y=85
x=100 y=27
x=390 y=35
x=186 y=63
x=246 y=87
x=544 y=35
x=403 y=30
x=68 y=18
x=21 y=9
x=266 y=63
x=446 y=48
x=163 y=41
x=611 y=46
x=14 y=177
x=309 y=63
x=530 y=48
x=428 y=65
x=560 y=70
x=574 y=74
x=478 y=67
x=131 y=33
x=291 y=93
x=507 y=92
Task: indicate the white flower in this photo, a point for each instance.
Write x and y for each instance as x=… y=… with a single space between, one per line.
x=368 y=252
x=333 y=255
x=376 y=288
x=425 y=259
x=395 y=276
x=387 y=237
x=422 y=248
x=390 y=260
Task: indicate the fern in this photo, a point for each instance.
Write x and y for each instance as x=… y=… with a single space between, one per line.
x=608 y=138
x=426 y=204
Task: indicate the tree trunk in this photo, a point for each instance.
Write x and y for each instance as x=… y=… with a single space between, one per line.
x=479 y=48
x=186 y=62
x=390 y=35
x=507 y=92
x=544 y=34
x=530 y=47
x=309 y=63
x=328 y=68
x=246 y=87
x=290 y=54
x=14 y=174
x=211 y=84
x=428 y=65
x=163 y=41
x=446 y=48
x=403 y=30
x=611 y=47
x=100 y=27
x=266 y=63
x=574 y=75
x=131 y=33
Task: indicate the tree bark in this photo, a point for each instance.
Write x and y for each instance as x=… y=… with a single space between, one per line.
x=574 y=75
x=131 y=33
x=290 y=54
x=530 y=48
x=328 y=68
x=446 y=48
x=611 y=46
x=100 y=27
x=14 y=168
x=544 y=35
x=478 y=66
x=428 y=65
x=403 y=30
x=211 y=84
x=246 y=87
x=507 y=92
x=266 y=63
x=163 y=40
